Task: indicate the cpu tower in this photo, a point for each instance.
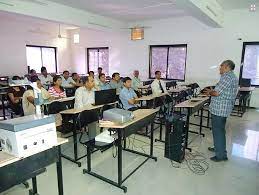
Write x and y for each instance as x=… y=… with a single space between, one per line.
x=175 y=140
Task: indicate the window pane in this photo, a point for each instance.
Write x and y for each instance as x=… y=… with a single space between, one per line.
x=48 y=58
x=159 y=61
x=104 y=60
x=93 y=59
x=33 y=55
x=251 y=64
x=176 y=63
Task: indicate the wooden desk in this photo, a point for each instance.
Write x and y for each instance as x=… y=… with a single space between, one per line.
x=193 y=105
x=29 y=168
x=150 y=97
x=247 y=89
x=143 y=117
x=177 y=89
x=59 y=100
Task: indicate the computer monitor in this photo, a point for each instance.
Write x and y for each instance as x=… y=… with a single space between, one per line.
x=147 y=82
x=245 y=82
x=105 y=96
x=171 y=84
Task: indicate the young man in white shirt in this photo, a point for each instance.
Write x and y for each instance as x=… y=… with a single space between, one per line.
x=67 y=81
x=84 y=96
x=45 y=78
x=158 y=86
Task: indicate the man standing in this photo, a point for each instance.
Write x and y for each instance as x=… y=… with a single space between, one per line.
x=222 y=102
x=158 y=86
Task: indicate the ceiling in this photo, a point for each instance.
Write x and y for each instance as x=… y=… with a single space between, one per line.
x=128 y=10
x=237 y=4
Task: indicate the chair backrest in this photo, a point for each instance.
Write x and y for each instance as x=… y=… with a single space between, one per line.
x=56 y=107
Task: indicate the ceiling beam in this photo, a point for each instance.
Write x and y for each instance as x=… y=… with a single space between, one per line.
x=209 y=12
x=59 y=13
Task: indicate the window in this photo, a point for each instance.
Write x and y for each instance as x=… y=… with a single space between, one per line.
x=250 y=62
x=98 y=57
x=38 y=56
x=169 y=59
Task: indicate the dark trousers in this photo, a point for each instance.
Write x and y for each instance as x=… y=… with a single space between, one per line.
x=219 y=135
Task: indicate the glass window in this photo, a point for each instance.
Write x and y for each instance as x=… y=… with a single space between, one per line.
x=170 y=60
x=38 y=56
x=98 y=57
x=250 y=62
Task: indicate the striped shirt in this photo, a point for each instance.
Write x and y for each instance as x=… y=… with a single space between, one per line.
x=54 y=93
x=227 y=88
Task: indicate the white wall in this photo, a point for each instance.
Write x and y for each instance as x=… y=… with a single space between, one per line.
x=207 y=46
x=14 y=37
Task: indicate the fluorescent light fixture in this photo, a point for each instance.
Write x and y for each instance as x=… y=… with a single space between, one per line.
x=252 y=8
x=76 y=38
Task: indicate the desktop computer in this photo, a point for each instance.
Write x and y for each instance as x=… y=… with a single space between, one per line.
x=175 y=139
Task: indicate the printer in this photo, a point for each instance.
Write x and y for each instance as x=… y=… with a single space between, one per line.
x=28 y=135
x=117 y=115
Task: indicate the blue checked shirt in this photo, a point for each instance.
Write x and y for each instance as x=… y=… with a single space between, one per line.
x=125 y=96
x=227 y=88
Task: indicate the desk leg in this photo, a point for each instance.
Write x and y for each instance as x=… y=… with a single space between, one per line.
x=119 y=158
x=89 y=165
x=201 y=121
x=152 y=141
x=75 y=138
x=75 y=160
x=34 y=190
x=3 y=107
x=59 y=173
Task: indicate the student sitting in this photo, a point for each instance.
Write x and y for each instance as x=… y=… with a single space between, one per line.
x=77 y=80
x=32 y=75
x=67 y=81
x=28 y=98
x=128 y=95
x=158 y=86
x=84 y=96
x=116 y=82
x=56 y=90
x=15 y=96
x=103 y=85
x=45 y=78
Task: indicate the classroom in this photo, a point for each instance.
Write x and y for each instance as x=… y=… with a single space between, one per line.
x=137 y=97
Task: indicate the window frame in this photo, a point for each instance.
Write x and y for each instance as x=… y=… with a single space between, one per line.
x=39 y=46
x=96 y=48
x=168 y=48
x=242 y=60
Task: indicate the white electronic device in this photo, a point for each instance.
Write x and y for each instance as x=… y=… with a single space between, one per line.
x=28 y=135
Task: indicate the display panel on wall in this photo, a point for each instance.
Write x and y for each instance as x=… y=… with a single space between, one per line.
x=38 y=56
x=169 y=59
x=250 y=62
x=98 y=57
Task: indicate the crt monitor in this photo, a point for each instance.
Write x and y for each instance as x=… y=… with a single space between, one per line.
x=245 y=82
x=171 y=84
x=105 y=96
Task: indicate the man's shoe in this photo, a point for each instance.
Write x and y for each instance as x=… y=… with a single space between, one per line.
x=211 y=149
x=215 y=159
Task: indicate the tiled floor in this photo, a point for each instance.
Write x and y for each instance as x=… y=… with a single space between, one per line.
x=238 y=176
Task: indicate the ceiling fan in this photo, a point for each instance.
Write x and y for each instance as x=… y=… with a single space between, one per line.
x=59 y=34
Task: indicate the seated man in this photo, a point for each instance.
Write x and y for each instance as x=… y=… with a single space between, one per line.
x=128 y=96
x=45 y=78
x=116 y=83
x=103 y=85
x=84 y=96
x=67 y=81
x=77 y=80
x=28 y=103
x=158 y=86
